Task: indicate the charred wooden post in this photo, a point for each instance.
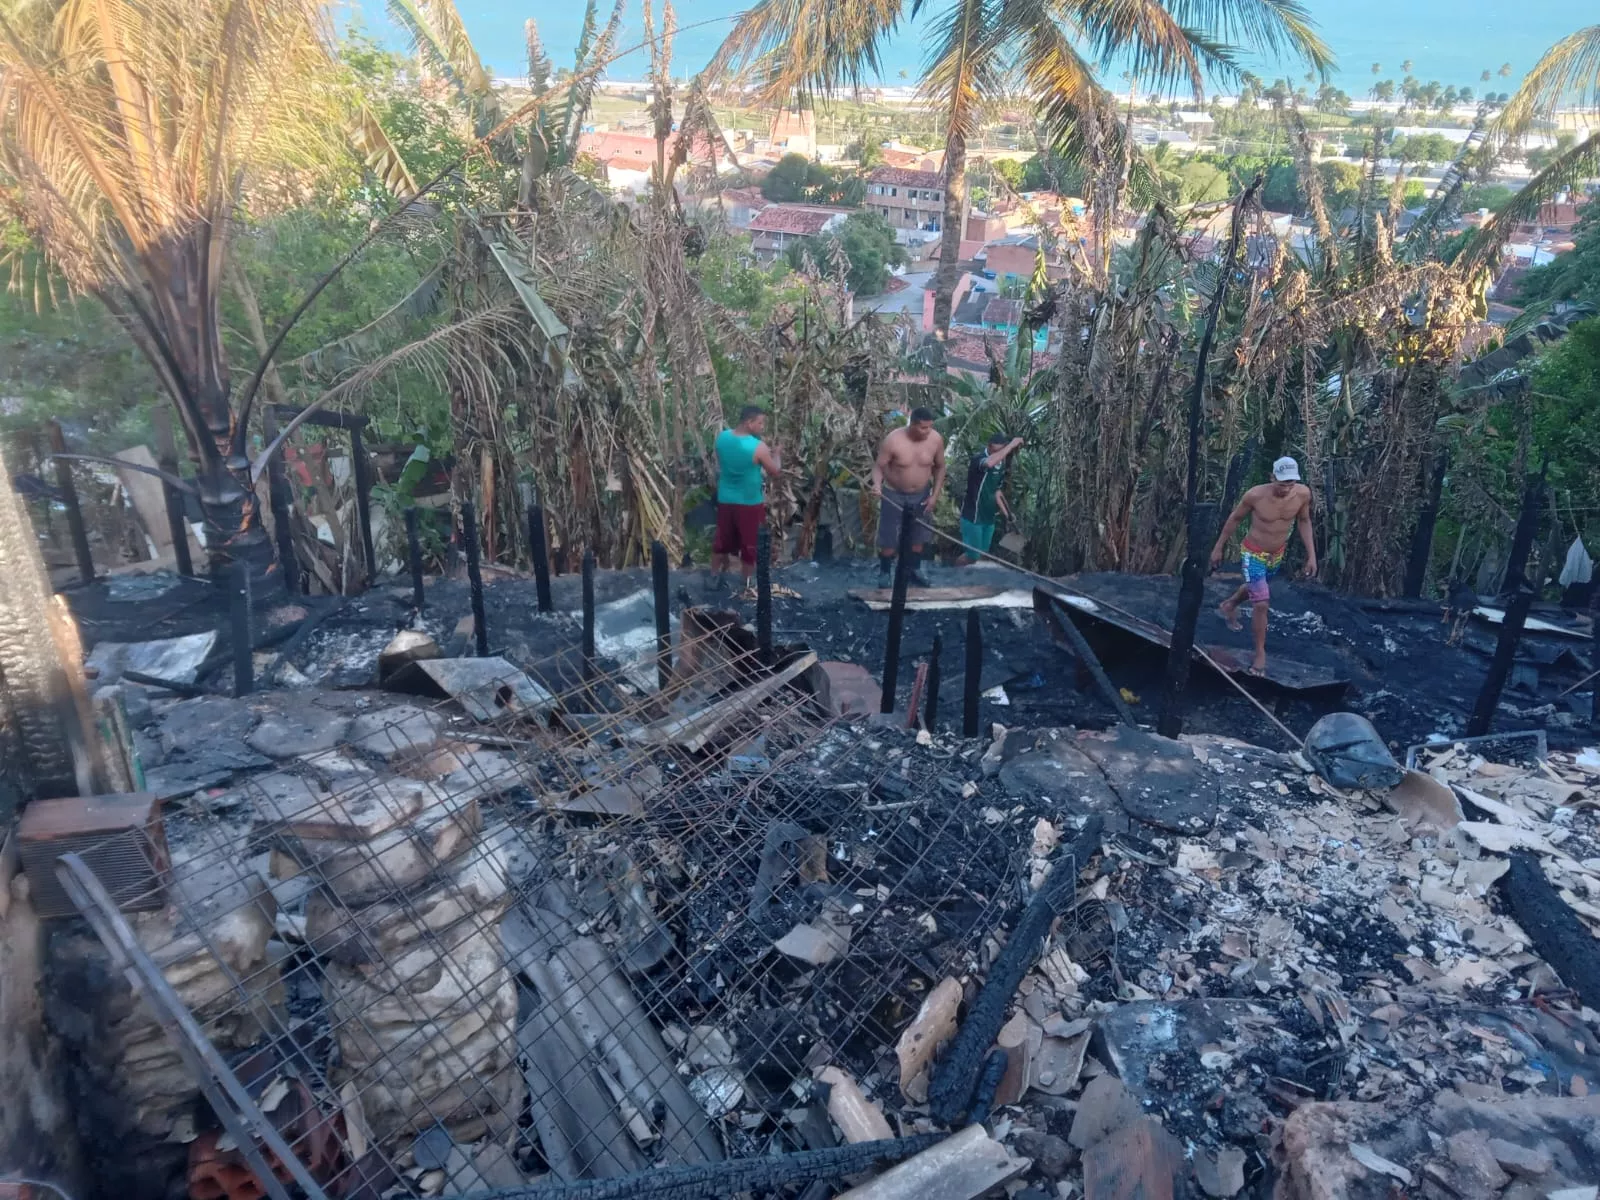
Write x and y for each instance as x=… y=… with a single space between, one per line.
x=1522 y=592
x=278 y=499
x=659 y=565
x=1561 y=939
x=1505 y=653
x=954 y=1082
x=69 y=497
x=1238 y=471
x=1191 y=593
x=469 y=541
x=1526 y=532
x=361 y=478
x=239 y=629
x=414 y=557
x=764 y=594
x=167 y=460
x=540 y=550
x=588 y=614
x=897 y=611
x=1089 y=661
x=1422 y=536
x=931 y=708
x=1594 y=658
x=972 y=681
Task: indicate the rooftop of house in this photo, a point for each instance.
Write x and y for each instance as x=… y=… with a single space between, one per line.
x=911 y=159
x=803 y=220
x=905 y=177
x=971 y=350
x=748 y=197
x=787 y=124
x=1001 y=311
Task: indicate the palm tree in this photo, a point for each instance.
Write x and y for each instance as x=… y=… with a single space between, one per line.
x=1505 y=70
x=978 y=49
x=1486 y=76
x=133 y=132
x=1377 y=68
x=1568 y=75
x=1406 y=66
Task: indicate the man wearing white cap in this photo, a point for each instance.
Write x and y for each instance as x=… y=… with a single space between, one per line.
x=1273 y=508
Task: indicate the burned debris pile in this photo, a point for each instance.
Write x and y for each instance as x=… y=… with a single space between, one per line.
x=531 y=925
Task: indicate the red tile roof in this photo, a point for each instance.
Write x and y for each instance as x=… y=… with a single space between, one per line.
x=801 y=219
x=1001 y=311
x=911 y=159
x=903 y=177
x=747 y=197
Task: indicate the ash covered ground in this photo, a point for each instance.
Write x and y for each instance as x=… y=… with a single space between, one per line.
x=1403 y=674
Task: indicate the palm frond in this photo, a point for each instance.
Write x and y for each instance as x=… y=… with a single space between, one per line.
x=1568 y=170
x=354 y=347
x=806 y=48
x=594 y=53
x=1159 y=48
x=474 y=354
x=964 y=64
x=440 y=40
x=1567 y=74
x=550 y=325
x=538 y=60
x=1274 y=28
x=380 y=155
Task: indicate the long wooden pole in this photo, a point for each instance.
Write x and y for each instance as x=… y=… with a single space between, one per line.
x=1191 y=593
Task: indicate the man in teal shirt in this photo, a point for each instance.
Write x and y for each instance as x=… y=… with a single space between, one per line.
x=985 y=496
x=742 y=458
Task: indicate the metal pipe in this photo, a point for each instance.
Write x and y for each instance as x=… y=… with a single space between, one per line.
x=931 y=708
x=469 y=540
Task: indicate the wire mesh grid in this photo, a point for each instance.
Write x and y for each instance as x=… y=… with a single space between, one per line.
x=606 y=932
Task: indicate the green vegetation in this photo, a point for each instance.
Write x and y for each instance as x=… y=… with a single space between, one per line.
x=797 y=179
x=1572 y=276
x=533 y=330
x=863 y=247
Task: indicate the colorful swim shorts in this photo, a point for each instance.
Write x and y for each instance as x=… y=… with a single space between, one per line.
x=1260 y=566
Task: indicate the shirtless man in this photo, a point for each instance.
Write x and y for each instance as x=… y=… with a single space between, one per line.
x=909 y=474
x=1272 y=508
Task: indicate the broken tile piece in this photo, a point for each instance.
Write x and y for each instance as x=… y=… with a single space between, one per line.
x=1140 y=1161
x=859 y=1119
x=964 y=1165
x=1105 y=1106
x=934 y=1024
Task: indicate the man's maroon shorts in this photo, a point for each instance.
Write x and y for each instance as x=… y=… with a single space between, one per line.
x=737 y=527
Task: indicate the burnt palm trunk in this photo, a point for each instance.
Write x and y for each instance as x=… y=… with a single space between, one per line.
x=40 y=722
x=955 y=203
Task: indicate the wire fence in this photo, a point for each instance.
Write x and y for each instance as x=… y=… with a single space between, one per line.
x=588 y=936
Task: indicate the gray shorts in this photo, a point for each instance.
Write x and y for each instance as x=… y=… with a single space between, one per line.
x=889 y=518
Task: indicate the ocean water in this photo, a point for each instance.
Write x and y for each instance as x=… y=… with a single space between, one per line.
x=1452 y=41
